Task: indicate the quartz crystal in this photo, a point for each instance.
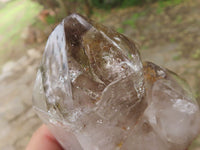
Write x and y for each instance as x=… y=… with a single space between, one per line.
x=95 y=93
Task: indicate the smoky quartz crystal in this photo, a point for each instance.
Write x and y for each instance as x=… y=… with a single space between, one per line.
x=95 y=93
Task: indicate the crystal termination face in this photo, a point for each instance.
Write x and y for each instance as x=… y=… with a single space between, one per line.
x=95 y=93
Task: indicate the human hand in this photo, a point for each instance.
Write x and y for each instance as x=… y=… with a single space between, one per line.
x=42 y=139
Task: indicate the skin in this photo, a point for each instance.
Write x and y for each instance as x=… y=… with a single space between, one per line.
x=42 y=139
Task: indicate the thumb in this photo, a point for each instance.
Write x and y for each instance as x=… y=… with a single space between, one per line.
x=42 y=139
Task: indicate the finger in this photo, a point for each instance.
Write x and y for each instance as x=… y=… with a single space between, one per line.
x=42 y=139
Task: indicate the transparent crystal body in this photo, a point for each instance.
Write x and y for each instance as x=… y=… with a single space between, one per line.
x=94 y=93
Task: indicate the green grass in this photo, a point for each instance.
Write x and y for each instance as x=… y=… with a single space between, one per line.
x=51 y=19
x=162 y=4
x=15 y=17
x=196 y=54
x=179 y=19
x=100 y=16
x=177 y=56
x=120 y=30
x=133 y=19
x=172 y=40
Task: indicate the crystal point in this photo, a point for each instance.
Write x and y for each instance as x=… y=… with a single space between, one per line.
x=95 y=93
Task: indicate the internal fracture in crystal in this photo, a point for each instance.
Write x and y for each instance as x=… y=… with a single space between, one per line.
x=95 y=93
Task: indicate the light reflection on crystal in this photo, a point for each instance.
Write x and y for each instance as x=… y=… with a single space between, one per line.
x=94 y=92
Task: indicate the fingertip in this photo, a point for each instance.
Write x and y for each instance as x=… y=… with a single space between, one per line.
x=42 y=139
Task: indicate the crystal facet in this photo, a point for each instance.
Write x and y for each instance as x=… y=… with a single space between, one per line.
x=94 y=93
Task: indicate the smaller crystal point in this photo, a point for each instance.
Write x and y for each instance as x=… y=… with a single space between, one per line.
x=94 y=93
x=172 y=116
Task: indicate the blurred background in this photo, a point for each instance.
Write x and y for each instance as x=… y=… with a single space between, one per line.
x=166 y=31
